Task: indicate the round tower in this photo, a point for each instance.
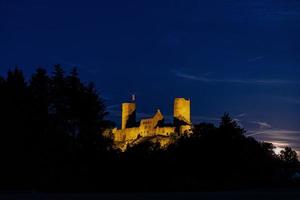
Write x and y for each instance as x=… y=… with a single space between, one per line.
x=128 y=114
x=182 y=113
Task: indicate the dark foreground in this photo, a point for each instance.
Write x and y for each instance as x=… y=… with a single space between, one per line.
x=285 y=194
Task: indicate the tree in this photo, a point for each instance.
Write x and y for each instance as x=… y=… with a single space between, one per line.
x=203 y=129
x=1 y=82
x=2 y=94
x=16 y=110
x=93 y=124
x=39 y=100
x=289 y=157
x=230 y=127
x=14 y=126
x=39 y=96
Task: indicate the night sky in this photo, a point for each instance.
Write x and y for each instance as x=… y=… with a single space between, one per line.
x=241 y=57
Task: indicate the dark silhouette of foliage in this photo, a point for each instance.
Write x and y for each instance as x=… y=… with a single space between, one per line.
x=289 y=156
x=51 y=127
x=289 y=160
x=50 y=139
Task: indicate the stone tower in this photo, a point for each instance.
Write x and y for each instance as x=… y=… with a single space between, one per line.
x=128 y=113
x=182 y=115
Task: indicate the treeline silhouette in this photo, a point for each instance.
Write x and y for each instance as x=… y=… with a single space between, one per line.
x=50 y=139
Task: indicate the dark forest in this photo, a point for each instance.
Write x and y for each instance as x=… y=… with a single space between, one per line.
x=51 y=140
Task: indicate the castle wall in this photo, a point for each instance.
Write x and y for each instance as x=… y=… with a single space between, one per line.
x=185 y=129
x=122 y=135
x=182 y=110
x=151 y=123
x=166 y=131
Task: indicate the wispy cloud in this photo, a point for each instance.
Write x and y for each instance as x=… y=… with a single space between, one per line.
x=277 y=14
x=262 y=125
x=279 y=137
x=202 y=78
x=255 y=58
x=291 y=100
x=278 y=133
x=241 y=115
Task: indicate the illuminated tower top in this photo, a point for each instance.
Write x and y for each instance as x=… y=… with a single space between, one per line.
x=182 y=113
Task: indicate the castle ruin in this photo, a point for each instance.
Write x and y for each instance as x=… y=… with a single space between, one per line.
x=131 y=130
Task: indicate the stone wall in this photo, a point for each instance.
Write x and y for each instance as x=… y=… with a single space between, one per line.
x=122 y=135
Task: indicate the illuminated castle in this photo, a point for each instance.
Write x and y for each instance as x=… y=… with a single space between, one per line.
x=153 y=127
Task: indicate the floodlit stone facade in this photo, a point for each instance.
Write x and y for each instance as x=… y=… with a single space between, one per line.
x=128 y=115
x=182 y=110
x=131 y=130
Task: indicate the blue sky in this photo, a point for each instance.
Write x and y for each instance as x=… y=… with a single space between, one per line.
x=240 y=57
